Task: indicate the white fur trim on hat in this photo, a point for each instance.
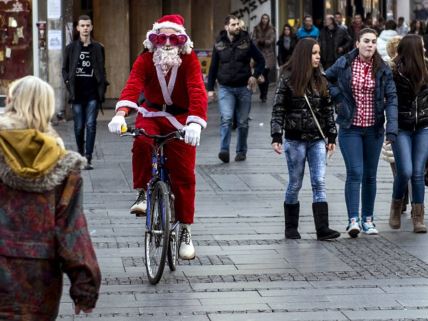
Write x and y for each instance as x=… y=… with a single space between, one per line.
x=169 y=25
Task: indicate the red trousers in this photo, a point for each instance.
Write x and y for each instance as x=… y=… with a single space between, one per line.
x=180 y=163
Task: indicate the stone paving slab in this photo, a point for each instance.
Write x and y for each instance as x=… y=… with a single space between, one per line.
x=245 y=270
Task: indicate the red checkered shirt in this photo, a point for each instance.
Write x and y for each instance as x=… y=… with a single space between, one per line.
x=363 y=88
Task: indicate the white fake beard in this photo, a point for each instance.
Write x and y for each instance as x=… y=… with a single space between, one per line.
x=166 y=58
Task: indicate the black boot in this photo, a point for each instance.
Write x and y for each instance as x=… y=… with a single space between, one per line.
x=320 y=211
x=291 y=215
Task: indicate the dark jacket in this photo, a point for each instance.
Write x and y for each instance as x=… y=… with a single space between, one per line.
x=230 y=62
x=285 y=54
x=330 y=41
x=291 y=115
x=340 y=79
x=43 y=231
x=72 y=52
x=412 y=106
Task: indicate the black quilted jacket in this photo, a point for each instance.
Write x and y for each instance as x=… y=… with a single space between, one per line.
x=412 y=107
x=292 y=117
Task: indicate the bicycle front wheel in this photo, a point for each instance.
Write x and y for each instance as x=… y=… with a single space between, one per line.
x=157 y=237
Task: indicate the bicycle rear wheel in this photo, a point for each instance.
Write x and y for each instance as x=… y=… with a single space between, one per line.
x=157 y=238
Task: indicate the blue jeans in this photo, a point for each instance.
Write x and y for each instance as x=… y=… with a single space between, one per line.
x=360 y=147
x=231 y=99
x=296 y=153
x=410 y=153
x=85 y=115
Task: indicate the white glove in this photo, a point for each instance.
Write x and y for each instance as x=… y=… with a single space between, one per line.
x=192 y=134
x=116 y=123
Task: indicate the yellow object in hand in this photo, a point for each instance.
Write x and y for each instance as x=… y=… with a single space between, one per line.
x=123 y=128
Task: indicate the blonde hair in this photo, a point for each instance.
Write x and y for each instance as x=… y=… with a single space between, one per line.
x=33 y=101
x=391 y=46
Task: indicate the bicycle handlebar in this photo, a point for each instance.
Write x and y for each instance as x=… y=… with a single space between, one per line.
x=134 y=132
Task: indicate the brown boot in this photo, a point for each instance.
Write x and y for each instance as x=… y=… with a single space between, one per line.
x=418 y=218
x=395 y=214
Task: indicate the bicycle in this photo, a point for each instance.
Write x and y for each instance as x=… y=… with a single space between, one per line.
x=161 y=235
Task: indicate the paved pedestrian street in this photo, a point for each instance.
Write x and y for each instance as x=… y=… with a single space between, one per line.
x=244 y=269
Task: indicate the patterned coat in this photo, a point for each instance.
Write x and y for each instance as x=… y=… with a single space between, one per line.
x=43 y=234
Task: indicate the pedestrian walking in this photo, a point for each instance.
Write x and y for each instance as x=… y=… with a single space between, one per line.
x=286 y=43
x=386 y=35
x=387 y=153
x=362 y=87
x=339 y=20
x=417 y=27
x=411 y=146
x=402 y=27
x=230 y=65
x=334 y=42
x=264 y=37
x=308 y=30
x=43 y=231
x=84 y=75
x=167 y=78
x=303 y=114
x=355 y=27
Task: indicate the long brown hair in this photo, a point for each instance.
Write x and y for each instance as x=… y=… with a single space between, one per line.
x=303 y=74
x=377 y=59
x=410 y=60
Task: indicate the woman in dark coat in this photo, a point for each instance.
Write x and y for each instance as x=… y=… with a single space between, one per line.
x=286 y=43
x=292 y=118
x=411 y=147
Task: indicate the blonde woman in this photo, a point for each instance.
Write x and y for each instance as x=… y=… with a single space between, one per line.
x=43 y=231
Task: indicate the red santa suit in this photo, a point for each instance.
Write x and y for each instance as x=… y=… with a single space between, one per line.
x=189 y=105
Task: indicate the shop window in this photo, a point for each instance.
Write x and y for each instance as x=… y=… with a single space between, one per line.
x=16 y=53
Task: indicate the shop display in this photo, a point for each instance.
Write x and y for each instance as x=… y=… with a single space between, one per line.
x=15 y=41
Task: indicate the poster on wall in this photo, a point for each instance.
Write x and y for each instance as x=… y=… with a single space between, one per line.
x=251 y=11
x=204 y=57
x=419 y=9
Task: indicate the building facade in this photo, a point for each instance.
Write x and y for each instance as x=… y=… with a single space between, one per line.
x=34 y=33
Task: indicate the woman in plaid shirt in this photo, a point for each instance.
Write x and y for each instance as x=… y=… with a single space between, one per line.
x=363 y=89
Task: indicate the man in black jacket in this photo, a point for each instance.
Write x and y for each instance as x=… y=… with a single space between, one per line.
x=334 y=42
x=230 y=65
x=84 y=74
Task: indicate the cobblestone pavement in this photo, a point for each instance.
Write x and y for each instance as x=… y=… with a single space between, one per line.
x=245 y=270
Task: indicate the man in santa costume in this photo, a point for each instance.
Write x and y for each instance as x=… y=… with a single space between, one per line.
x=168 y=74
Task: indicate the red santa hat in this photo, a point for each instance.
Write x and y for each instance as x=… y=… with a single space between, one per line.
x=171 y=21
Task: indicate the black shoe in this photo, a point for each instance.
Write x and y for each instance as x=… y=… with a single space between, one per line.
x=240 y=157
x=263 y=99
x=224 y=156
x=89 y=163
x=320 y=212
x=291 y=216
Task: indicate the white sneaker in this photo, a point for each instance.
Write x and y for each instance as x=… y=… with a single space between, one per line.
x=139 y=208
x=187 y=250
x=368 y=227
x=353 y=228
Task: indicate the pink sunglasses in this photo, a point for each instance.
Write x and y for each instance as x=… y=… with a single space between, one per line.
x=161 y=38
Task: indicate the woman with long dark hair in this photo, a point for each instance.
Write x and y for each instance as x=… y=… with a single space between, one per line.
x=362 y=87
x=303 y=114
x=411 y=147
x=286 y=43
